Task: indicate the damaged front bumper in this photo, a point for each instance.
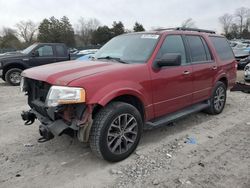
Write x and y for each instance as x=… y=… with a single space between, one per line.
x=69 y=119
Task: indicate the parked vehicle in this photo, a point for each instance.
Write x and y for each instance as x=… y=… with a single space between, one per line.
x=242 y=56
x=86 y=57
x=12 y=64
x=137 y=81
x=79 y=54
x=247 y=72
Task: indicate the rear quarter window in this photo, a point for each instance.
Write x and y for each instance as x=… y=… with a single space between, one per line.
x=222 y=48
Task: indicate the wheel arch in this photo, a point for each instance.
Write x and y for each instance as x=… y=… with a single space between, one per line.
x=10 y=66
x=126 y=98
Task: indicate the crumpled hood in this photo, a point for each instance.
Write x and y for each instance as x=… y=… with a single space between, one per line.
x=63 y=73
x=241 y=53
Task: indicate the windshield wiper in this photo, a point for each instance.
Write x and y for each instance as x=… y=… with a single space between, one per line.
x=113 y=58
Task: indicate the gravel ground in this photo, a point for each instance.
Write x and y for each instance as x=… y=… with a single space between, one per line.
x=197 y=151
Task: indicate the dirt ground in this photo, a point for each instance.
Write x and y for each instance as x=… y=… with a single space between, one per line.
x=197 y=151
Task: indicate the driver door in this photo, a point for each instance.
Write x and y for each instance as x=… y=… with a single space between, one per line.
x=43 y=55
x=172 y=85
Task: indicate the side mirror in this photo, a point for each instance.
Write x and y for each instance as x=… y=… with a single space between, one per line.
x=169 y=59
x=35 y=53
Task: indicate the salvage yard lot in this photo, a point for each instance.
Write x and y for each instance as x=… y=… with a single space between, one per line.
x=218 y=157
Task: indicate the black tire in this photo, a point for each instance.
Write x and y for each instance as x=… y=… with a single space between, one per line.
x=13 y=76
x=213 y=108
x=104 y=121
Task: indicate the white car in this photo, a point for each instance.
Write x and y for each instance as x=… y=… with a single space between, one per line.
x=247 y=72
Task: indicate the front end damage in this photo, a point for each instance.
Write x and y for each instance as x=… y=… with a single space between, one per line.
x=70 y=119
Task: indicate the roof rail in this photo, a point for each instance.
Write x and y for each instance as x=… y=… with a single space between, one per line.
x=187 y=29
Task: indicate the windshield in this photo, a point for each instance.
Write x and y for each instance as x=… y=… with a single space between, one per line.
x=131 y=48
x=29 y=49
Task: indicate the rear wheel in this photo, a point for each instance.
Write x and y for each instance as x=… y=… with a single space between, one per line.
x=13 y=76
x=218 y=99
x=116 y=131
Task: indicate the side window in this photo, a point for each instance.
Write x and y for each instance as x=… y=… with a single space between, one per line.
x=222 y=48
x=173 y=44
x=209 y=57
x=60 y=51
x=197 y=49
x=45 y=51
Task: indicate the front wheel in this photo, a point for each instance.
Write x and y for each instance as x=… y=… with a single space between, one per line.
x=218 y=99
x=13 y=76
x=116 y=131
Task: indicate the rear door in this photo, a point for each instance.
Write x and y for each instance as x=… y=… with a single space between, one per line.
x=172 y=85
x=61 y=53
x=43 y=54
x=204 y=67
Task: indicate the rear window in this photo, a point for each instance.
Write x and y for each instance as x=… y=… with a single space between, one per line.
x=222 y=48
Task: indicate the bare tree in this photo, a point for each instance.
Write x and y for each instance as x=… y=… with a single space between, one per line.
x=85 y=28
x=188 y=23
x=27 y=30
x=241 y=14
x=226 y=22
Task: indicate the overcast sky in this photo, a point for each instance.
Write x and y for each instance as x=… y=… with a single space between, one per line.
x=151 y=13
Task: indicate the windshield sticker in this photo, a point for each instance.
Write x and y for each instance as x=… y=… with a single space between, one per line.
x=147 y=36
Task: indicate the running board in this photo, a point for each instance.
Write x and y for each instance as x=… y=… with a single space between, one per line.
x=158 y=122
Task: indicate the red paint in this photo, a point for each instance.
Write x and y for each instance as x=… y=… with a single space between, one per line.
x=161 y=91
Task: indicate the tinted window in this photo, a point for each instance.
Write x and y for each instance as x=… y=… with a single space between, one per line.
x=60 y=50
x=173 y=44
x=197 y=49
x=45 y=51
x=209 y=57
x=222 y=48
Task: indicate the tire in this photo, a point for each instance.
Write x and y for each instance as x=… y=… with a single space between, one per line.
x=217 y=105
x=13 y=76
x=118 y=145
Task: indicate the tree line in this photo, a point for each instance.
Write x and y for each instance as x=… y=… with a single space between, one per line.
x=86 y=33
x=237 y=25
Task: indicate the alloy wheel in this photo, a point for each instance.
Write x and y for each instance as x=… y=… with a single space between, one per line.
x=122 y=133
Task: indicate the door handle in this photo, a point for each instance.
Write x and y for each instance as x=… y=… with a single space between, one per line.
x=214 y=67
x=186 y=72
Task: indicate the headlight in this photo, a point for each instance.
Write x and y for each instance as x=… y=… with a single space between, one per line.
x=65 y=95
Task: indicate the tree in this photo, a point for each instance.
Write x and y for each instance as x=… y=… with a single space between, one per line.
x=241 y=14
x=9 y=39
x=54 y=30
x=27 y=30
x=67 y=34
x=226 y=22
x=188 y=23
x=234 y=32
x=118 y=28
x=43 y=31
x=102 y=35
x=85 y=28
x=138 y=27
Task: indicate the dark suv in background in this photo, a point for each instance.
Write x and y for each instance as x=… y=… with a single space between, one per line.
x=11 y=65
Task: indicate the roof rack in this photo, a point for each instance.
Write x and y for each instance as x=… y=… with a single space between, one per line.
x=187 y=29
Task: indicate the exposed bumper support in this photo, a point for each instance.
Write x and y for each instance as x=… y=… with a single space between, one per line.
x=50 y=128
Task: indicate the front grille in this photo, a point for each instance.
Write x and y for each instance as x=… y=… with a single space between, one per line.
x=38 y=90
x=37 y=93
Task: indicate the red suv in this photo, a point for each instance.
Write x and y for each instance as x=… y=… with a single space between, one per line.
x=136 y=81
